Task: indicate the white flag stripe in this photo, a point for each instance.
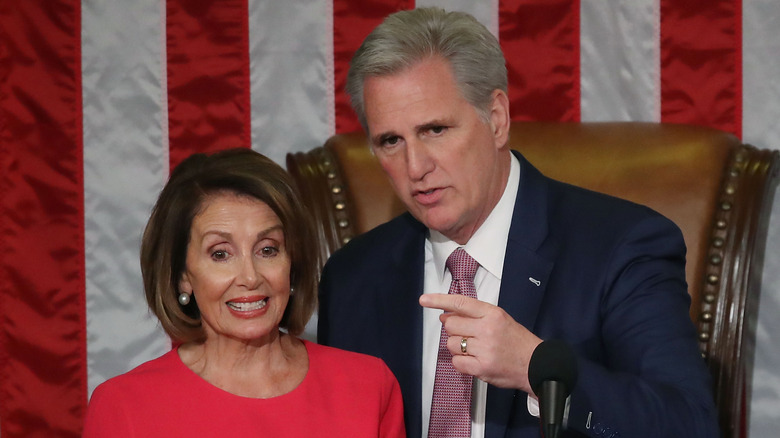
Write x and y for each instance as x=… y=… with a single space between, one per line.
x=761 y=72
x=619 y=52
x=124 y=169
x=291 y=71
x=760 y=116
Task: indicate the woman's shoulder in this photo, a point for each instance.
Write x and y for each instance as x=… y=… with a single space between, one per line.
x=333 y=353
x=155 y=371
x=333 y=370
x=349 y=361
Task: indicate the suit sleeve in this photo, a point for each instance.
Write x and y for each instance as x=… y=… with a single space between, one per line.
x=652 y=381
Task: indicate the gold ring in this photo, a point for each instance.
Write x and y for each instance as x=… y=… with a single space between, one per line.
x=463 y=345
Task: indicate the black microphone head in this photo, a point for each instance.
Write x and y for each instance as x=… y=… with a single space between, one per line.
x=553 y=360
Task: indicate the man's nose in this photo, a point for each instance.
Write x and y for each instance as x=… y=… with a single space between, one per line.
x=419 y=161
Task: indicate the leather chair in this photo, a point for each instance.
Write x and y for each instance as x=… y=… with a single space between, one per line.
x=718 y=190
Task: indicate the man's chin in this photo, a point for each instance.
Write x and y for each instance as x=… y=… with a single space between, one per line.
x=444 y=224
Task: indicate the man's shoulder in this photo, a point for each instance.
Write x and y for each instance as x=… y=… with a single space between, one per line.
x=562 y=200
x=580 y=216
x=597 y=206
x=401 y=230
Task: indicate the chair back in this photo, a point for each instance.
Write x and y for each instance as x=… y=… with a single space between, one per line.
x=715 y=188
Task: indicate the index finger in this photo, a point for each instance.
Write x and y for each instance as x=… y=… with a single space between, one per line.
x=455 y=303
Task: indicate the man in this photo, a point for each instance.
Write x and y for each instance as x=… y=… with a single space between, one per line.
x=553 y=261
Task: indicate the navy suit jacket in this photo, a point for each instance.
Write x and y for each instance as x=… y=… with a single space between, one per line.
x=603 y=274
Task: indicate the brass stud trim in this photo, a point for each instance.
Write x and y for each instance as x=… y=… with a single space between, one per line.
x=340 y=214
x=718 y=240
x=716 y=259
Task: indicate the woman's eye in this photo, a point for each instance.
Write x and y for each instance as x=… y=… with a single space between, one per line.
x=219 y=255
x=269 y=251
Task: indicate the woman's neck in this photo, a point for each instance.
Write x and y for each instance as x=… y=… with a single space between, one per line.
x=257 y=370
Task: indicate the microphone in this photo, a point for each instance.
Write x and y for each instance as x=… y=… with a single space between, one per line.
x=552 y=373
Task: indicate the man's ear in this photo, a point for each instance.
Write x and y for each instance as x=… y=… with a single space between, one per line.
x=499 y=118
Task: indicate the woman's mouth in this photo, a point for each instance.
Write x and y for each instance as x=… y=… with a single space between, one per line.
x=241 y=306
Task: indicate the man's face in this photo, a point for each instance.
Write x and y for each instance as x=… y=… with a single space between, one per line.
x=448 y=165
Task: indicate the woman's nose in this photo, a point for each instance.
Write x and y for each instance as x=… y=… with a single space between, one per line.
x=248 y=275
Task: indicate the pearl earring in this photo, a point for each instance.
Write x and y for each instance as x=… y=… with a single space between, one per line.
x=184 y=298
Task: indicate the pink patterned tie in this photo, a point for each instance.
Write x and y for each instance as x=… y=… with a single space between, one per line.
x=451 y=406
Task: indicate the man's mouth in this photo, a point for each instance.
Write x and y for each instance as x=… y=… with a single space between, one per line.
x=428 y=196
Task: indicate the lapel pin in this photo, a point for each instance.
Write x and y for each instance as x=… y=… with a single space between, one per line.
x=534 y=281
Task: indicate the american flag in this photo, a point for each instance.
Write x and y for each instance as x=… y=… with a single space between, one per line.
x=100 y=99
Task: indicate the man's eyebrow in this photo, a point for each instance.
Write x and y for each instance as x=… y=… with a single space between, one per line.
x=429 y=125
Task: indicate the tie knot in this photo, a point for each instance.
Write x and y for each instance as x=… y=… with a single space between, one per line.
x=461 y=265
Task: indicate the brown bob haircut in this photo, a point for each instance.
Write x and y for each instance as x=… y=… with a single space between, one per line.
x=164 y=247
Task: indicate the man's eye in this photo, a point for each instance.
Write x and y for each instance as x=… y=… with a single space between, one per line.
x=390 y=141
x=438 y=129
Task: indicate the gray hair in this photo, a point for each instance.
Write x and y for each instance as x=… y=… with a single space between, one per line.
x=406 y=38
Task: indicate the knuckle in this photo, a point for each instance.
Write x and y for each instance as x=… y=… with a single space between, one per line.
x=460 y=302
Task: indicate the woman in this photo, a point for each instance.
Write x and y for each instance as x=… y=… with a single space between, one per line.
x=230 y=263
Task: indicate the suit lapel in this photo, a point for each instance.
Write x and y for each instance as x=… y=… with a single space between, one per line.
x=403 y=317
x=523 y=283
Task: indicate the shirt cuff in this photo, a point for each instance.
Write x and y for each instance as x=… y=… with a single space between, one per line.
x=533 y=409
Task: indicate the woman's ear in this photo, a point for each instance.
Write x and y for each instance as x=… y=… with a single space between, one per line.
x=184 y=283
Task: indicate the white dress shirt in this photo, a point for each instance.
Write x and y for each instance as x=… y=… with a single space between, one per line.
x=487 y=246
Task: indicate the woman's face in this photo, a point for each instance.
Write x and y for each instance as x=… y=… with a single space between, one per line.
x=237 y=268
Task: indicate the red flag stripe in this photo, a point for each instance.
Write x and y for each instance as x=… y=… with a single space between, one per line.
x=353 y=20
x=541 y=42
x=43 y=376
x=701 y=63
x=208 y=76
